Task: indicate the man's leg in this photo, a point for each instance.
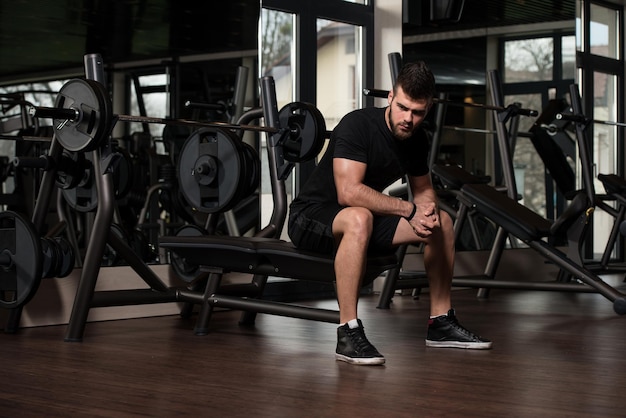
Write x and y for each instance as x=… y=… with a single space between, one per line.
x=439 y=265
x=444 y=329
x=438 y=260
x=352 y=228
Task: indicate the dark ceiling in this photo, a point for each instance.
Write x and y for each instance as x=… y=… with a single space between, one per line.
x=457 y=15
x=459 y=57
x=43 y=35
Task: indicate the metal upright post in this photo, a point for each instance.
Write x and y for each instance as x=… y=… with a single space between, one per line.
x=102 y=223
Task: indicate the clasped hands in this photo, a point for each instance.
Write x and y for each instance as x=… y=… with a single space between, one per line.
x=426 y=219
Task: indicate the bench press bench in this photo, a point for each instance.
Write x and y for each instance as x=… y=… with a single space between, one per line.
x=532 y=228
x=262 y=257
x=264 y=254
x=216 y=172
x=269 y=256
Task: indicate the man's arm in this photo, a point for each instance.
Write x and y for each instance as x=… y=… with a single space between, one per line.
x=426 y=215
x=422 y=190
x=351 y=191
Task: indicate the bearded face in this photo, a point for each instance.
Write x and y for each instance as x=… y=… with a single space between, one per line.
x=401 y=129
x=404 y=115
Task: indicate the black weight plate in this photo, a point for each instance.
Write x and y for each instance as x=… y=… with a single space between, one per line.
x=184 y=270
x=20 y=279
x=90 y=99
x=307 y=131
x=123 y=174
x=71 y=170
x=67 y=260
x=50 y=259
x=210 y=187
x=253 y=172
x=84 y=197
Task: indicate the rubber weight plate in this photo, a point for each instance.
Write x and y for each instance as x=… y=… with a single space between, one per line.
x=51 y=258
x=67 y=260
x=209 y=170
x=252 y=163
x=184 y=270
x=307 y=131
x=94 y=115
x=84 y=197
x=20 y=260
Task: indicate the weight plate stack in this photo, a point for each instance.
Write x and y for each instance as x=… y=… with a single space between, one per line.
x=20 y=260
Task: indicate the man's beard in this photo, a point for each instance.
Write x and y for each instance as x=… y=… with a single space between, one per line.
x=398 y=132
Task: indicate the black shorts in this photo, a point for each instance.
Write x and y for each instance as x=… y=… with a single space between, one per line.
x=310 y=228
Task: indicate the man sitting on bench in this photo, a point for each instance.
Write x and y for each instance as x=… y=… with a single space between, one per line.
x=342 y=210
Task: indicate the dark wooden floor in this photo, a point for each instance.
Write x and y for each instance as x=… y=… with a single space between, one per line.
x=554 y=355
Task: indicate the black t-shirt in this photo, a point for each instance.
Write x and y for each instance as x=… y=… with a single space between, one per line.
x=363 y=135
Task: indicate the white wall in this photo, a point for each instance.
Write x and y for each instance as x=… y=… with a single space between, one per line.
x=388 y=39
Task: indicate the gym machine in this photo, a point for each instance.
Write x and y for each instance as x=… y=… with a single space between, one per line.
x=532 y=229
x=215 y=172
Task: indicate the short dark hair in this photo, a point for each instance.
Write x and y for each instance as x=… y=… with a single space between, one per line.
x=416 y=80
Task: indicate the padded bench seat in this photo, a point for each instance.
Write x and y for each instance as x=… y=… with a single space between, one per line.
x=265 y=256
x=455 y=177
x=226 y=252
x=613 y=183
x=511 y=215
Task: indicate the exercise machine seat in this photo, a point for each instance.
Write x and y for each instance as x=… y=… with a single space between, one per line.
x=511 y=215
x=266 y=256
x=454 y=177
x=613 y=183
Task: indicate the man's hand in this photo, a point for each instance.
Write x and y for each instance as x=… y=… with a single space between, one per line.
x=426 y=219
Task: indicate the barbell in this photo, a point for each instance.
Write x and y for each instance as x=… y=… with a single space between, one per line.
x=216 y=169
x=83 y=118
x=521 y=111
x=582 y=119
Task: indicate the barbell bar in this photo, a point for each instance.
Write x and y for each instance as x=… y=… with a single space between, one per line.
x=522 y=111
x=26 y=138
x=83 y=118
x=215 y=159
x=584 y=120
x=196 y=124
x=73 y=115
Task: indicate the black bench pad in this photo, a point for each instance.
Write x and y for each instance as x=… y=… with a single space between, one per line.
x=613 y=183
x=265 y=256
x=455 y=177
x=504 y=211
x=232 y=254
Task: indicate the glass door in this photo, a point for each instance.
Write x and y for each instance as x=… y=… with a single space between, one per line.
x=601 y=69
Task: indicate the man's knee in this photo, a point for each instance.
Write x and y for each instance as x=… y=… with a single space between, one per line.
x=354 y=220
x=446 y=221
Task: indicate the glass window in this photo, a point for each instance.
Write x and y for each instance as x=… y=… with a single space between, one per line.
x=155 y=102
x=532 y=66
x=604 y=149
x=603 y=31
x=15 y=101
x=277 y=59
x=338 y=70
x=568 y=56
x=528 y=60
x=528 y=166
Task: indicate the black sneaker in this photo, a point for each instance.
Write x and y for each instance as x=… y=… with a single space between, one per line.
x=446 y=332
x=354 y=348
